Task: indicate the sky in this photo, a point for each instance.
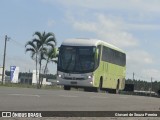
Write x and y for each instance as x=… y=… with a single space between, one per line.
x=132 y=25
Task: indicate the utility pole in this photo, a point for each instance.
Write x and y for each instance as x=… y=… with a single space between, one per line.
x=151 y=87
x=134 y=81
x=4 y=59
x=133 y=75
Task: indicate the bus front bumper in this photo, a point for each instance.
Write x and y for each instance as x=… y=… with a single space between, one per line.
x=86 y=83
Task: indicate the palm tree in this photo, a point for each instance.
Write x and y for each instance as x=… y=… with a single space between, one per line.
x=33 y=48
x=51 y=56
x=39 y=47
x=46 y=41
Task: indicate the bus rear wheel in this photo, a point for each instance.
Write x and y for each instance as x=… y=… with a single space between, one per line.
x=67 y=87
x=115 y=91
x=117 y=88
x=99 y=89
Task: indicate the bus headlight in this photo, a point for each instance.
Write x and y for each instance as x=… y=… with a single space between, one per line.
x=89 y=77
x=60 y=76
x=91 y=82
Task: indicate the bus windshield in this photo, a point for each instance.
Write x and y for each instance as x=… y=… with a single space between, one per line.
x=77 y=59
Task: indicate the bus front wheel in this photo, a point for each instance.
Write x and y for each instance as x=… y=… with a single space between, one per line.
x=67 y=87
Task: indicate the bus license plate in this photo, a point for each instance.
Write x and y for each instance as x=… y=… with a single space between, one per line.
x=73 y=82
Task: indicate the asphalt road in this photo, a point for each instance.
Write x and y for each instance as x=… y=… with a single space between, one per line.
x=27 y=99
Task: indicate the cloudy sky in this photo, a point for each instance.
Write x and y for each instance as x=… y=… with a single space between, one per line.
x=132 y=25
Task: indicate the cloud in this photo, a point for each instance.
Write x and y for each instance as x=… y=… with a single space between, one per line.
x=154 y=73
x=107 y=29
x=129 y=5
x=139 y=57
x=50 y=23
x=84 y=26
x=144 y=27
x=142 y=64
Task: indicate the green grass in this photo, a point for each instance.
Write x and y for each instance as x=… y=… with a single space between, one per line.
x=18 y=85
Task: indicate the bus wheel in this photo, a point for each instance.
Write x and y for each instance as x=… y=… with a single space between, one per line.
x=67 y=87
x=90 y=89
x=99 y=89
x=87 y=89
x=117 y=88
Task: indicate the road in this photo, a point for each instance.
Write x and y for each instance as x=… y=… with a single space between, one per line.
x=26 y=99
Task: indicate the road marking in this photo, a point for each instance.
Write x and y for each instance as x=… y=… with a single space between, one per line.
x=26 y=95
x=68 y=96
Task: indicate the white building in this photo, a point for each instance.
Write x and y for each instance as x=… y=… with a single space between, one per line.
x=14 y=74
x=34 y=78
x=45 y=82
x=1 y=72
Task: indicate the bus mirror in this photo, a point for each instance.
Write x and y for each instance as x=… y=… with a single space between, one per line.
x=57 y=51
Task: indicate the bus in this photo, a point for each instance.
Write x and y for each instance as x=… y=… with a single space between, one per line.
x=91 y=64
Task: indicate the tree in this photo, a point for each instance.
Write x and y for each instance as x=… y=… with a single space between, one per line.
x=47 y=42
x=41 y=43
x=51 y=56
x=34 y=49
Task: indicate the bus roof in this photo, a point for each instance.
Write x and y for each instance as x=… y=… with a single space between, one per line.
x=88 y=42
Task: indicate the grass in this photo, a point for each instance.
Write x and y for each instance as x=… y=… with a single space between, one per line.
x=18 y=85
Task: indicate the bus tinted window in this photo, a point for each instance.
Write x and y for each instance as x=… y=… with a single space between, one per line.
x=113 y=56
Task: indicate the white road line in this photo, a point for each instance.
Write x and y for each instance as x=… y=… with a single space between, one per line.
x=68 y=96
x=25 y=95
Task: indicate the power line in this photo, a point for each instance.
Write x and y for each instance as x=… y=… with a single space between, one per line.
x=17 y=43
x=1 y=38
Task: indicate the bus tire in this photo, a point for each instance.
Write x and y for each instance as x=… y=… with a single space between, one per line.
x=67 y=87
x=90 y=89
x=117 y=88
x=115 y=91
x=99 y=89
x=86 y=89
